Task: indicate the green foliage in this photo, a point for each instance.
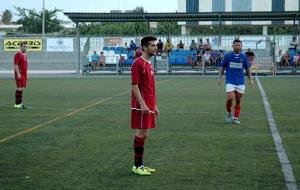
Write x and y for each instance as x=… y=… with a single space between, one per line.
x=167 y=28
x=6 y=16
x=32 y=20
x=130 y=28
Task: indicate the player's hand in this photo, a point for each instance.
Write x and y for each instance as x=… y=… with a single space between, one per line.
x=157 y=112
x=145 y=109
x=19 y=76
x=251 y=83
x=219 y=81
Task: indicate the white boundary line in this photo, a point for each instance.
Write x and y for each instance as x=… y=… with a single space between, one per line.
x=286 y=166
x=175 y=112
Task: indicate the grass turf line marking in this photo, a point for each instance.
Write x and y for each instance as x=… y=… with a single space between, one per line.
x=66 y=115
x=286 y=166
x=174 y=112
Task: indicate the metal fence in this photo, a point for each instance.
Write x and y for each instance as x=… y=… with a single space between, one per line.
x=60 y=53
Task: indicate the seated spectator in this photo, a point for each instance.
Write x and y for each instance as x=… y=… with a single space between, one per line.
x=200 y=45
x=206 y=58
x=180 y=45
x=132 y=45
x=94 y=59
x=297 y=60
x=278 y=58
x=160 y=46
x=193 y=45
x=285 y=59
x=126 y=47
x=102 y=60
x=168 y=46
x=207 y=45
x=87 y=66
x=138 y=53
x=198 y=58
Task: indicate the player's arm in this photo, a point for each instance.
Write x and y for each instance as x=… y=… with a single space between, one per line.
x=17 y=70
x=221 y=73
x=249 y=74
x=16 y=66
x=137 y=93
x=222 y=69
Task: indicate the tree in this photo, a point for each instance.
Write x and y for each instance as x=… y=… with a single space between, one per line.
x=32 y=20
x=167 y=28
x=6 y=16
x=127 y=28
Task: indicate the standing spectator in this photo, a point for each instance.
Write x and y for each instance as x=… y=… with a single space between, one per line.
x=250 y=55
x=193 y=45
x=294 y=43
x=168 y=46
x=144 y=110
x=102 y=60
x=160 y=46
x=20 y=69
x=234 y=63
x=180 y=45
x=95 y=59
x=132 y=45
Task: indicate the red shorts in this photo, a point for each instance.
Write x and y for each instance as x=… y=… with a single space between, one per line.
x=21 y=83
x=142 y=121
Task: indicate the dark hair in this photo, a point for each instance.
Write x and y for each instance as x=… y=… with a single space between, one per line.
x=250 y=53
x=145 y=40
x=236 y=40
x=23 y=43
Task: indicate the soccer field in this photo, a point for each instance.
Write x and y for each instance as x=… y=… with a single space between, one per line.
x=77 y=135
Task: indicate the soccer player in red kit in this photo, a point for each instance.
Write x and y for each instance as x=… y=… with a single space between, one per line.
x=20 y=68
x=144 y=110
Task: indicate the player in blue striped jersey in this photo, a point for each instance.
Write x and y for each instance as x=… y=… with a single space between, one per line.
x=234 y=64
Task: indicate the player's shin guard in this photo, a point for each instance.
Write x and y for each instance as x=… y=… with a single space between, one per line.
x=237 y=111
x=228 y=105
x=18 y=97
x=138 y=151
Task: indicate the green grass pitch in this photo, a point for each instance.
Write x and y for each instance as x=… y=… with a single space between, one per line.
x=192 y=148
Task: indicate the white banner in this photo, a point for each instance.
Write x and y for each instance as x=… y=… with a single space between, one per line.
x=60 y=44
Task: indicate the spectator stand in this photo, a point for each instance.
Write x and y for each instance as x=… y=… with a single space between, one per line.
x=118 y=60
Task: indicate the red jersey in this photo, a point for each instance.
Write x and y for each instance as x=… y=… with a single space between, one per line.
x=142 y=74
x=21 y=60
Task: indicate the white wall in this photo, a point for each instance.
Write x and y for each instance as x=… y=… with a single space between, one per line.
x=228 y=8
x=259 y=5
x=181 y=6
x=205 y=6
x=291 y=5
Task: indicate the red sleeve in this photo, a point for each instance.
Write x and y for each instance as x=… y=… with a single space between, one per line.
x=17 y=59
x=135 y=77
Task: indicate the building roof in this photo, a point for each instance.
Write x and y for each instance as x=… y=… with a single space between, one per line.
x=161 y=17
